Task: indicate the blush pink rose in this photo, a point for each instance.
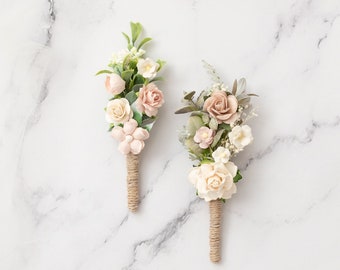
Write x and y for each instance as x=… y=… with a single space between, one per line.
x=222 y=107
x=150 y=99
x=114 y=84
x=204 y=137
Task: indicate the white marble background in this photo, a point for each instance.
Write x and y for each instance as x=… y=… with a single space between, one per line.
x=63 y=193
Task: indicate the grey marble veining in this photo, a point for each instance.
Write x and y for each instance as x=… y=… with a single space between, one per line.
x=63 y=190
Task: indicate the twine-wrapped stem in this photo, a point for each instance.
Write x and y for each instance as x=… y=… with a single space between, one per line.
x=215 y=208
x=132 y=162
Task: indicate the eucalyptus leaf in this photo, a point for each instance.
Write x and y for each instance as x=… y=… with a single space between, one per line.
x=205 y=118
x=126 y=74
x=131 y=97
x=213 y=124
x=137 y=87
x=217 y=138
x=104 y=71
x=241 y=85
x=234 y=88
x=148 y=121
x=194 y=123
x=244 y=101
x=185 y=109
x=225 y=127
x=139 y=79
x=188 y=96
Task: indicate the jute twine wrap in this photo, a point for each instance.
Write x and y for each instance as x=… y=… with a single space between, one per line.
x=215 y=230
x=132 y=162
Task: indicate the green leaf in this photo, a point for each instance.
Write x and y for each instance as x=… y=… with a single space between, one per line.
x=143 y=42
x=185 y=109
x=161 y=63
x=104 y=71
x=188 y=96
x=139 y=79
x=157 y=79
x=223 y=200
x=126 y=74
x=196 y=192
x=111 y=127
x=131 y=97
x=213 y=124
x=225 y=127
x=136 y=87
x=136 y=30
x=237 y=177
x=148 y=121
x=217 y=138
x=138 y=117
x=127 y=38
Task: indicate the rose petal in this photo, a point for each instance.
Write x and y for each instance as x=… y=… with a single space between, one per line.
x=129 y=127
x=136 y=146
x=124 y=147
x=118 y=133
x=140 y=134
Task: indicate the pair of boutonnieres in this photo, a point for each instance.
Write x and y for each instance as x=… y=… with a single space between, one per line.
x=215 y=132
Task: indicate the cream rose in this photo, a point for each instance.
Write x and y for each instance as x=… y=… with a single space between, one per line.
x=240 y=136
x=147 y=68
x=221 y=107
x=150 y=99
x=214 y=180
x=118 y=111
x=114 y=84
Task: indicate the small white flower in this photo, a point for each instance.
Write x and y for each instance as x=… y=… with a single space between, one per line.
x=118 y=58
x=221 y=155
x=240 y=136
x=147 y=68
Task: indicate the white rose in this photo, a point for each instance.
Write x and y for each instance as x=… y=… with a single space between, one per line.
x=114 y=84
x=240 y=136
x=221 y=155
x=118 y=111
x=147 y=68
x=214 y=180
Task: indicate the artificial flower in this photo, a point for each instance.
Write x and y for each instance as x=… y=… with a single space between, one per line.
x=130 y=136
x=221 y=155
x=114 y=84
x=150 y=99
x=147 y=68
x=222 y=107
x=240 y=136
x=214 y=180
x=118 y=111
x=204 y=137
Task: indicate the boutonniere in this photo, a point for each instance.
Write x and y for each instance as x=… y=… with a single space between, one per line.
x=131 y=81
x=216 y=131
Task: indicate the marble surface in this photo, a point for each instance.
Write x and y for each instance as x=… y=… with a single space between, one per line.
x=63 y=191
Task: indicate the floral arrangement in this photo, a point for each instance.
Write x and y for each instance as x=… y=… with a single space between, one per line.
x=135 y=99
x=216 y=131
